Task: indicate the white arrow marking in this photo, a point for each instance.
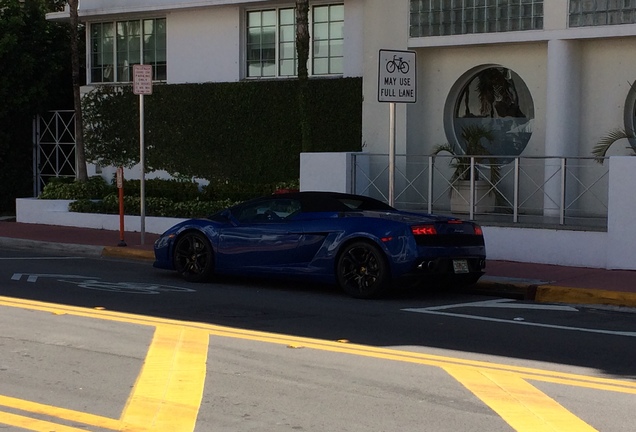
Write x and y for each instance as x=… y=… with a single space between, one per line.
x=504 y=303
x=501 y=304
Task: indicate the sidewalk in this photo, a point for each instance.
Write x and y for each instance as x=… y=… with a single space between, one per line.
x=537 y=282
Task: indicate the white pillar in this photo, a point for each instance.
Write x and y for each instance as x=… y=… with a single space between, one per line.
x=621 y=229
x=562 y=114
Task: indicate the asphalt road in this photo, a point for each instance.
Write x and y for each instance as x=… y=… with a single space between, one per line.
x=114 y=345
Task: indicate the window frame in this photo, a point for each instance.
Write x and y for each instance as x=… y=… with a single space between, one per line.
x=278 y=41
x=433 y=18
x=119 y=65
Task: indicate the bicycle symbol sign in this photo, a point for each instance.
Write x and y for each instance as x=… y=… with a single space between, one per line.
x=396 y=76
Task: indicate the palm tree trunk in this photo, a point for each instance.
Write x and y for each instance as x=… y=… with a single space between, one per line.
x=302 y=49
x=82 y=174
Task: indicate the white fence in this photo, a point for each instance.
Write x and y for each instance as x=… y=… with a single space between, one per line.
x=585 y=215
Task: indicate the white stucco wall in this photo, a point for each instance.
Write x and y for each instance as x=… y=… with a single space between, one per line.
x=203 y=45
x=385 y=23
x=55 y=212
x=354 y=38
x=607 y=74
x=547 y=246
x=329 y=172
x=441 y=67
x=621 y=228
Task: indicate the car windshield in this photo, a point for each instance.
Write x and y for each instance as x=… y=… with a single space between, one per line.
x=364 y=204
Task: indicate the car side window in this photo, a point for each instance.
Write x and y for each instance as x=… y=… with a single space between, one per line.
x=268 y=211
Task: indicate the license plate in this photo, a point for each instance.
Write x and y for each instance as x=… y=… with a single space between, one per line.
x=460 y=266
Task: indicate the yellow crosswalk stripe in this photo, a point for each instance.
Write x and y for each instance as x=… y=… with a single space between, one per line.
x=517 y=402
x=169 y=389
x=32 y=424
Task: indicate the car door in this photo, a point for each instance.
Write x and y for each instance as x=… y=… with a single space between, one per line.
x=264 y=237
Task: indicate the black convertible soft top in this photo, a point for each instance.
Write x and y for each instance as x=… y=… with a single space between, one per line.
x=335 y=201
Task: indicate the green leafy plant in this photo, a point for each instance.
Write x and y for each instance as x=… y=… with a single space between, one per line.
x=95 y=188
x=472 y=136
x=604 y=144
x=245 y=132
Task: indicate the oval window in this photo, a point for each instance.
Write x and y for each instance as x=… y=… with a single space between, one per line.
x=490 y=100
x=630 y=115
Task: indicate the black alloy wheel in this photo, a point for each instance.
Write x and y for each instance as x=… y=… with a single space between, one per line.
x=362 y=270
x=193 y=257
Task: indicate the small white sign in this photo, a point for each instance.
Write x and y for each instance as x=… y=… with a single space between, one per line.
x=396 y=77
x=142 y=79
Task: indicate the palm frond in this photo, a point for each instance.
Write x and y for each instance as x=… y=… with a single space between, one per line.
x=603 y=145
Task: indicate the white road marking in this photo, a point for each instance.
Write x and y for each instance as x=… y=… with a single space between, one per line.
x=510 y=304
x=96 y=283
x=34 y=277
x=505 y=304
x=38 y=258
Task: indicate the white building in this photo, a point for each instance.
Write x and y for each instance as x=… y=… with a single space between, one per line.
x=548 y=77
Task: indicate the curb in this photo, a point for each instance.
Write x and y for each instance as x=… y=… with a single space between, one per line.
x=545 y=292
x=506 y=287
x=84 y=250
x=122 y=252
x=560 y=294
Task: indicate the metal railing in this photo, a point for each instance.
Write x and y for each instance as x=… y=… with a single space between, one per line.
x=539 y=191
x=53 y=147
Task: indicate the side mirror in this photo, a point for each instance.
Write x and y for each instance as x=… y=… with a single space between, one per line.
x=227 y=214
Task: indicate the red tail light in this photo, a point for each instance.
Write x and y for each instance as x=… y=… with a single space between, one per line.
x=478 y=230
x=423 y=230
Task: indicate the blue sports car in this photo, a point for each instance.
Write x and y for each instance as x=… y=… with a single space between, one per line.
x=362 y=244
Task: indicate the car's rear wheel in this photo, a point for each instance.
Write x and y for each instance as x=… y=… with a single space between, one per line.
x=362 y=270
x=193 y=257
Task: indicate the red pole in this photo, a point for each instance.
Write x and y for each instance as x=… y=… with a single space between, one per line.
x=120 y=186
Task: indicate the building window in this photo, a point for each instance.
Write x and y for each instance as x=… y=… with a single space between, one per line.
x=328 y=39
x=271 y=41
x=495 y=99
x=453 y=17
x=601 y=12
x=117 y=46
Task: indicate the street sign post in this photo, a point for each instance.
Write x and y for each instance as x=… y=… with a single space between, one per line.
x=142 y=85
x=397 y=83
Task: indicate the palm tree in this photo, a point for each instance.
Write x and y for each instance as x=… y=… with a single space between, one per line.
x=302 y=48
x=82 y=174
x=604 y=144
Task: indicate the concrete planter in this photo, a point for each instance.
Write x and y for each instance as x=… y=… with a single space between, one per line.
x=55 y=212
x=460 y=197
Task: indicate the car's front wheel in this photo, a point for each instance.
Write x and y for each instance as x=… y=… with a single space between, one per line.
x=362 y=270
x=193 y=257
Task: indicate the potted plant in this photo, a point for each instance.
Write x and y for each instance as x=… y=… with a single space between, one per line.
x=473 y=137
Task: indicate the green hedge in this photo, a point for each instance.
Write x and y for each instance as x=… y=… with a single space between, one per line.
x=168 y=198
x=67 y=189
x=153 y=206
x=242 y=133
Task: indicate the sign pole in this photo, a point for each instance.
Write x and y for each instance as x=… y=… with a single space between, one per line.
x=396 y=84
x=142 y=158
x=392 y=154
x=142 y=85
x=120 y=187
